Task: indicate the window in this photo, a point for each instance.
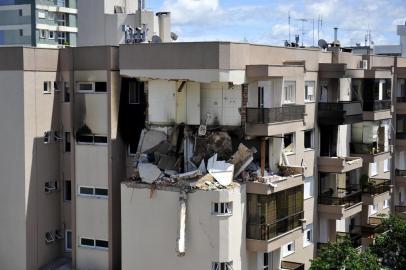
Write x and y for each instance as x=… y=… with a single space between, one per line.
x=102 y=244
x=86 y=242
x=222 y=266
x=289 y=143
x=134 y=93
x=42 y=14
x=62 y=38
x=288 y=249
x=68 y=240
x=57 y=86
x=51 y=16
x=386 y=165
x=47 y=136
x=67 y=142
x=309 y=139
x=266 y=261
x=68 y=190
x=85 y=87
x=373 y=209
x=373 y=169
x=309 y=90
x=47 y=87
x=100 y=87
x=51 y=186
x=222 y=208
x=49 y=238
x=57 y=136
x=42 y=33
x=91 y=139
x=61 y=19
x=289 y=92
x=385 y=204
x=101 y=192
x=66 y=90
x=308 y=235
x=21 y=33
x=51 y=35
x=308 y=187
x=86 y=191
x=132 y=149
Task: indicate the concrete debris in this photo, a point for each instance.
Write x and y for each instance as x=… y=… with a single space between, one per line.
x=187 y=175
x=216 y=143
x=149 y=172
x=150 y=139
x=167 y=162
x=222 y=171
x=241 y=159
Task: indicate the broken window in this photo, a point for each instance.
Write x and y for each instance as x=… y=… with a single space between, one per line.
x=222 y=266
x=47 y=87
x=289 y=92
x=309 y=139
x=68 y=190
x=49 y=238
x=134 y=92
x=51 y=186
x=86 y=242
x=223 y=208
x=309 y=90
x=102 y=244
x=289 y=143
x=66 y=89
x=68 y=240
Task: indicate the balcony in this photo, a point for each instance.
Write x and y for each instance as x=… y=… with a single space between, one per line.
x=339 y=164
x=401 y=105
x=339 y=113
x=273 y=121
x=292 y=176
x=400 y=211
x=341 y=207
x=292 y=265
x=400 y=177
x=370 y=152
x=375 y=110
x=269 y=237
x=376 y=191
x=355 y=236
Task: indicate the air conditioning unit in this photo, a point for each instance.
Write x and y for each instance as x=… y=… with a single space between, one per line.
x=364 y=64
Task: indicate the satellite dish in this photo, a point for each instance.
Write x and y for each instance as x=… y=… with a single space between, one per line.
x=156 y=39
x=323 y=44
x=174 y=36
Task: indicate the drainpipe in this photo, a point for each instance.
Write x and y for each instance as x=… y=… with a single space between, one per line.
x=181 y=240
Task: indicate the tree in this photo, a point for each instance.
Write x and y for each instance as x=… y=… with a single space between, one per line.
x=390 y=246
x=342 y=255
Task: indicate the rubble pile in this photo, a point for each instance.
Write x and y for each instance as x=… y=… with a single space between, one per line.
x=183 y=157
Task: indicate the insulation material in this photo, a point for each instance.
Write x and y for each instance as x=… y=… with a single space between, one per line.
x=162 y=101
x=221 y=171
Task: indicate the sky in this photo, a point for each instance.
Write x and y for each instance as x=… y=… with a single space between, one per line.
x=266 y=21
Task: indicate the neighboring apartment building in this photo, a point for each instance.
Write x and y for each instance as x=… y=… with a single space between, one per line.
x=109 y=154
x=39 y=23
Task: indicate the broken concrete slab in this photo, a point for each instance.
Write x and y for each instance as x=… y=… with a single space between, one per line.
x=149 y=172
x=187 y=175
x=241 y=159
x=222 y=171
x=149 y=139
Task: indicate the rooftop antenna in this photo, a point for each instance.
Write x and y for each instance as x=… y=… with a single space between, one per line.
x=313 y=32
x=303 y=20
x=289 y=23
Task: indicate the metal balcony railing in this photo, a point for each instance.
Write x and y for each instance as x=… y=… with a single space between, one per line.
x=367 y=148
x=275 y=115
x=347 y=200
x=376 y=186
x=292 y=265
x=399 y=172
x=269 y=231
x=376 y=105
x=347 y=107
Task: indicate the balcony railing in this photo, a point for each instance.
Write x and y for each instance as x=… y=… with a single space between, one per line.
x=338 y=113
x=347 y=200
x=376 y=186
x=349 y=107
x=367 y=148
x=275 y=115
x=269 y=231
x=292 y=265
x=399 y=172
x=376 y=105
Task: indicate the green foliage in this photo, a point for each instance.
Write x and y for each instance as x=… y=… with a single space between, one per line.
x=390 y=246
x=341 y=255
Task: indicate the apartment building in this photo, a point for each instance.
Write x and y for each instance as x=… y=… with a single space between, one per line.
x=217 y=155
x=41 y=23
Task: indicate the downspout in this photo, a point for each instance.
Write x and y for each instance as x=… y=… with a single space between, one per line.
x=181 y=240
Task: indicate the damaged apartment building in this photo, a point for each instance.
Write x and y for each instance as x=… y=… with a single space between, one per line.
x=200 y=155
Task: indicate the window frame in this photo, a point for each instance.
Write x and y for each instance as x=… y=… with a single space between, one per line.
x=293 y=142
x=312 y=99
x=285 y=251
x=94 y=88
x=66 y=240
x=309 y=229
x=311 y=194
x=312 y=147
x=292 y=94
x=47 y=87
x=222 y=208
x=87 y=246
x=51 y=186
x=65 y=194
x=51 y=37
x=43 y=34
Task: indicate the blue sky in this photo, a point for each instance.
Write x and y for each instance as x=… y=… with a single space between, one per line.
x=266 y=22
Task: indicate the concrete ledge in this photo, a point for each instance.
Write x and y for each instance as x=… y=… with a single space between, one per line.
x=339 y=211
x=377 y=115
x=370 y=199
x=339 y=164
x=274 y=128
x=371 y=158
x=283 y=184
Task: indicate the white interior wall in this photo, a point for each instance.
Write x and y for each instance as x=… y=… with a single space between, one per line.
x=343 y=140
x=345 y=89
x=161 y=101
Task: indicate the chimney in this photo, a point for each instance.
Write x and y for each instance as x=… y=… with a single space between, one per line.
x=164 y=21
x=335 y=34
